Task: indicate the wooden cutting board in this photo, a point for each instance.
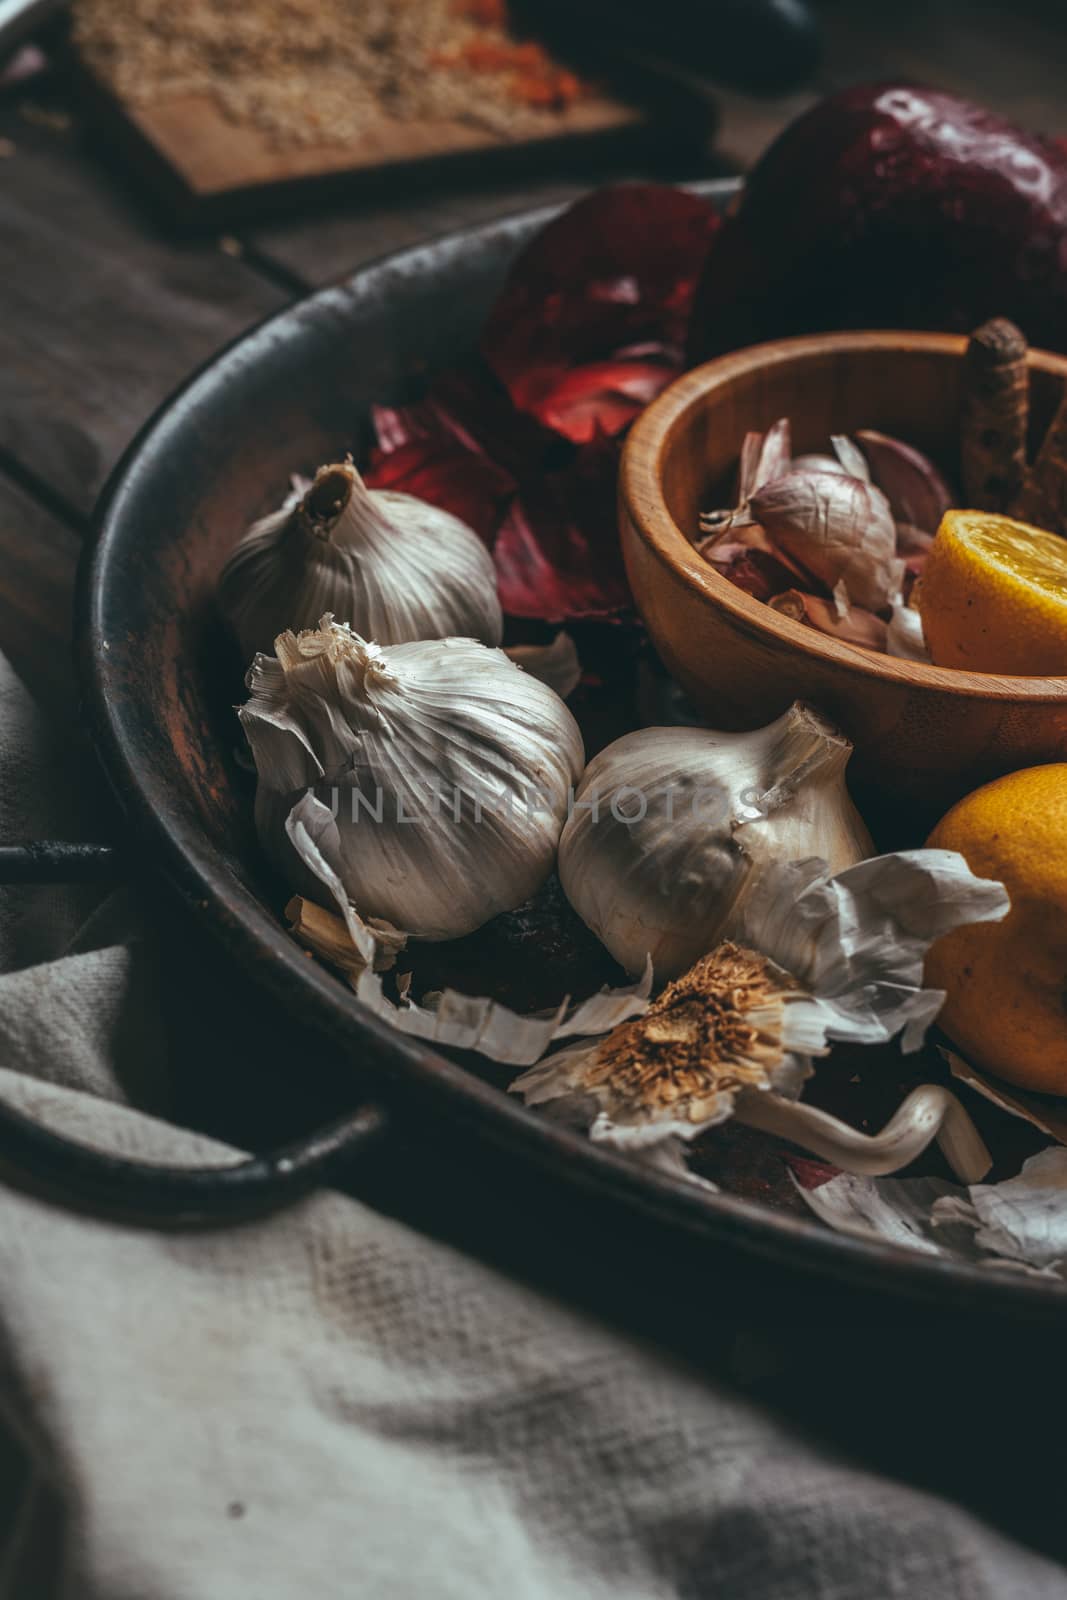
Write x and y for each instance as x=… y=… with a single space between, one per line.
x=211 y=169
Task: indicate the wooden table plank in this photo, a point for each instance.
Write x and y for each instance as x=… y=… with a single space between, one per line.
x=38 y=555
x=337 y=240
x=101 y=317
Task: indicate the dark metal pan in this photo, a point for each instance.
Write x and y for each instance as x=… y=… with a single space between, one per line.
x=158 y=678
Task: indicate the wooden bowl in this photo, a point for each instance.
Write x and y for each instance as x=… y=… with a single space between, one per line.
x=924 y=735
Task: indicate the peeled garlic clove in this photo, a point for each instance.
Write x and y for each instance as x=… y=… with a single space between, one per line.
x=856 y=626
x=916 y=491
x=393 y=567
x=446 y=768
x=670 y=825
x=837 y=528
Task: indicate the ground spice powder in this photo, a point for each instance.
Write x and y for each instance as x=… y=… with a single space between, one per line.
x=310 y=72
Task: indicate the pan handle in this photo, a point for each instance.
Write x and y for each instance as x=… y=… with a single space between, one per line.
x=150 y=1193
x=155 y=1195
x=58 y=861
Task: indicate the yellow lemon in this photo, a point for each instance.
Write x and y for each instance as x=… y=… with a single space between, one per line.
x=993 y=596
x=1007 y=981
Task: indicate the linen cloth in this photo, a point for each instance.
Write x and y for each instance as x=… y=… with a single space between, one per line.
x=327 y=1404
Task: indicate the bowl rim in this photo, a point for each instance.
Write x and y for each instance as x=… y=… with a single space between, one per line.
x=642 y=499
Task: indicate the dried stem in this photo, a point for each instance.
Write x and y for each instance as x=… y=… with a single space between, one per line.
x=327 y=497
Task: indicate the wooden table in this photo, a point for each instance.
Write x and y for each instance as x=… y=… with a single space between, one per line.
x=101 y=315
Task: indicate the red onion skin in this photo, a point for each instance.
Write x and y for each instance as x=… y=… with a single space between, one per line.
x=892 y=205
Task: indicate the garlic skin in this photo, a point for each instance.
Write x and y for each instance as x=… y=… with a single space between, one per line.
x=916 y=491
x=447 y=768
x=854 y=626
x=685 y=821
x=556 y=664
x=851 y=457
x=904 y=635
x=391 y=566
x=838 y=528
x=828 y=959
x=764 y=457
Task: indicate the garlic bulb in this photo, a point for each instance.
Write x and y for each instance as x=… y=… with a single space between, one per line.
x=671 y=827
x=393 y=567
x=447 y=768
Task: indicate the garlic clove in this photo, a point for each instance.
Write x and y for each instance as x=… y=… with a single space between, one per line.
x=393 y=567
x=448 y=768
x=669 y=824
x=915 y=489
x=837 y=528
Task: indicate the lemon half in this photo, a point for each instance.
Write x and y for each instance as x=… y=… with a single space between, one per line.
x=993 y=596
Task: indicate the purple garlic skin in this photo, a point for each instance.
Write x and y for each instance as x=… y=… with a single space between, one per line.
x=916 y=491
x=838 y=528
x=768 y=457
x=764 y=456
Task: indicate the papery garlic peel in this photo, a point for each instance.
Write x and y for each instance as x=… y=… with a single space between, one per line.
x=671 y=826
